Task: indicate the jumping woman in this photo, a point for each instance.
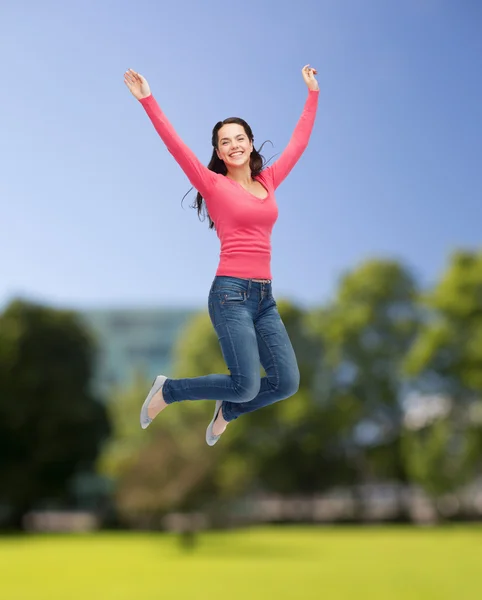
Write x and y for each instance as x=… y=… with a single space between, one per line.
x=238 y=195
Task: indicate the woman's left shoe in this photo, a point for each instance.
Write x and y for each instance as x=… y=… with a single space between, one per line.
x=211 y=439
x=156 y=386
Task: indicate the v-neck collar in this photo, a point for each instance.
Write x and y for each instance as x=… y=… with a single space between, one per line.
x=249 y=193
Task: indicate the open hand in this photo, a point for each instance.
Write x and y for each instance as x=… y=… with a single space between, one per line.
x=137 y=85
x=309 y=77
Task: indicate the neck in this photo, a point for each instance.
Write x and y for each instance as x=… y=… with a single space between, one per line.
x=241 y=175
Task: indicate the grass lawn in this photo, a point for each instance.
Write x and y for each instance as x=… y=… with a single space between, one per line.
x=378 y=563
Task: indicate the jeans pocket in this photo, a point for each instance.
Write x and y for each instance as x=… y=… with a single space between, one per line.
x=232 y=297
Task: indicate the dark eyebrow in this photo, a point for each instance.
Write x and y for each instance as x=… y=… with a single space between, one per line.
x=239 y=135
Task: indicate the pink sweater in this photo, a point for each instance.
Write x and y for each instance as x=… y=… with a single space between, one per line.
x=243 y=222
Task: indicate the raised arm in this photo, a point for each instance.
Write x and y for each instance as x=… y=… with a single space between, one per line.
x=279 y=170
x=199 y=175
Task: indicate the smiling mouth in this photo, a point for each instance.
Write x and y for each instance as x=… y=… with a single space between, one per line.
x=236 y=154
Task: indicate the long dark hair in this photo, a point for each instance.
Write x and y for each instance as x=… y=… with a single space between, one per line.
x=257 y=163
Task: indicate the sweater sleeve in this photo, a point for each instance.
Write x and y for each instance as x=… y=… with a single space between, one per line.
x=200 y=176
x=280 y=169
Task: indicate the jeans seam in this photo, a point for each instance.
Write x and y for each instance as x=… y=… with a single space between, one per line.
x=272 y=356
x=275 y=363
x=232 y=347
x=223 y=387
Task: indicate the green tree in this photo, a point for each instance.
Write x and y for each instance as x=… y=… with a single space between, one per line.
x=443 y=449
x=365 y=334
x=169 y=465
x=51 y=426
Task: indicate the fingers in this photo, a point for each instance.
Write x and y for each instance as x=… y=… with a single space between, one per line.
x=309 y=72
x=133 y=76
x=131 y=81
x=137 y=76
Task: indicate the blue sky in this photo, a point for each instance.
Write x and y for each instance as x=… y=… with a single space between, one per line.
x=90 y=200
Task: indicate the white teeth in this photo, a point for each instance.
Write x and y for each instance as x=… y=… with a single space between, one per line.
x=236 y=154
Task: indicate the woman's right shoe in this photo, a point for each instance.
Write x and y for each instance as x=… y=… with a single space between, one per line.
x=211 y=439
x=156 y=386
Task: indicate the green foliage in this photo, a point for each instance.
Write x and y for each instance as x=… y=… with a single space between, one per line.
x=120 y=452
x=446 y=358
x=440 y=456
x=51 y=426
x=450 y=343
x=365 y=333
x=169 y=465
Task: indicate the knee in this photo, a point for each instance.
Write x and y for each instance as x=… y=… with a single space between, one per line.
x=289 y=383
x=248 y=388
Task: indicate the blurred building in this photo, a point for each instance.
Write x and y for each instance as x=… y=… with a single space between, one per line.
x=133 y=341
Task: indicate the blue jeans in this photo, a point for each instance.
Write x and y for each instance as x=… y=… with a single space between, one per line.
x=251 y=332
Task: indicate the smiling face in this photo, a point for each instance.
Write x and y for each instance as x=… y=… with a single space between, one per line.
x=234 y=147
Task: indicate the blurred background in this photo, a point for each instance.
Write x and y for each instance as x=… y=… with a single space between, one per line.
x=368 y=482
